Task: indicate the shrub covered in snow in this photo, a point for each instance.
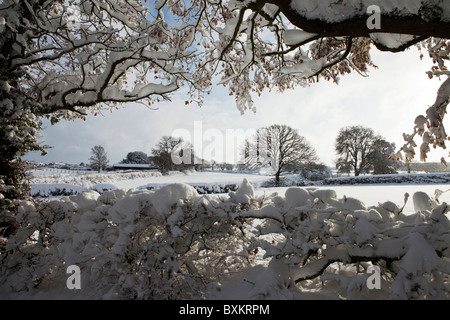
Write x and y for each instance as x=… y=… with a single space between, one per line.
x=174 y=243
x=163 y=244
x=316 y=173
x=322 y=237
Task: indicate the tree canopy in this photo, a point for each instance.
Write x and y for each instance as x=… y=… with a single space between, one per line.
x=136 y=157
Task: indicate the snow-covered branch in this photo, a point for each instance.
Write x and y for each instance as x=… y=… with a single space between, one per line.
x=430 y=127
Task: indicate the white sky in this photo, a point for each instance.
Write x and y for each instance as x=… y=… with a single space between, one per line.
x=387 y=101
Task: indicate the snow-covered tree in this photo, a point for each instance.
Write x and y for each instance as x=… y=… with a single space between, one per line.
x=255 y=45
x=99 y=158
x=137 y=157
x=19 y=127
x=62 y=59
x=278 y=147
x=380 y=158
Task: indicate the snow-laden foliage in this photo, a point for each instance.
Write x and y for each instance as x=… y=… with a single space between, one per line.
x=338 y=239
x=163 y=244
x=284 y=44
x=19 y=127
x=173 y=243
x=429 y=127
x=60 y=58
x=265 y=44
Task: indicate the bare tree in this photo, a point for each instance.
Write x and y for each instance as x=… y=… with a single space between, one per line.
x=98 y=159
x=278 y=147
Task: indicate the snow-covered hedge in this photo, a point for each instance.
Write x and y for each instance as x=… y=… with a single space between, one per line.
x=338 y=239
x=427 y=178
x=207 y=188
x=65 y=189
x=173 y=243
x=86 y=179
x=163 y=244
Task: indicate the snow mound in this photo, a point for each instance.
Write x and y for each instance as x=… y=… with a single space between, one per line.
x=166 y=197
x=87 y=200
x=422 y=202
x=244 y=194
x=324 y=195
x=110 y=197
x=297 y=197
x=131 y=206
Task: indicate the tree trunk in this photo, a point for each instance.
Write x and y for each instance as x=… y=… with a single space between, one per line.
x=277 y=178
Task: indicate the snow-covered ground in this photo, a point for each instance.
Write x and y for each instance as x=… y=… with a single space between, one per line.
x=370 y=194
x=43 y=182
x=135 y=179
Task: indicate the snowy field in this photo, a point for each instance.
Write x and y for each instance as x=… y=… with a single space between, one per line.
x=44 y=181
x=139 y=180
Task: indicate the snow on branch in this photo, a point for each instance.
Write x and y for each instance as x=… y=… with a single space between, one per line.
x=108 y=52
x=430 y=127
x=254 y=45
